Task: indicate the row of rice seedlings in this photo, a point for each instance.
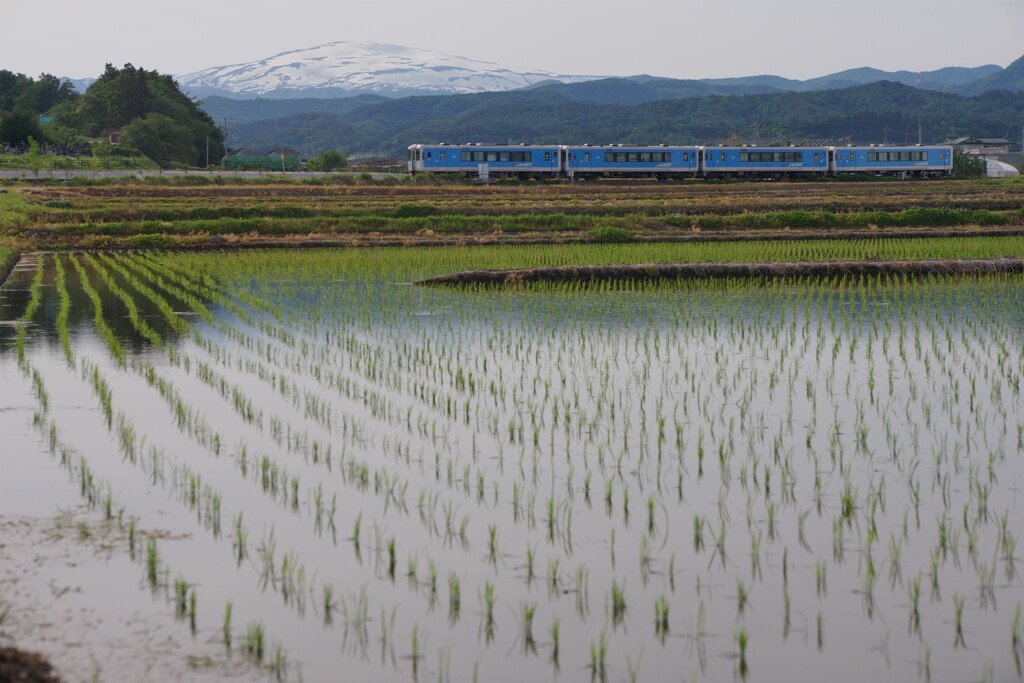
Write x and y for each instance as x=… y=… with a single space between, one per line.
x=140 y=325
x=101 y=324
x=99 y=494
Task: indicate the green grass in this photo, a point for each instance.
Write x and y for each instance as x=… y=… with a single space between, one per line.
x=8 y=258
x=66 y=163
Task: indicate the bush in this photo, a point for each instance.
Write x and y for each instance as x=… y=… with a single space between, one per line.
x=58 y=204
x=611 y=234
x=414 y=211
x=289 y=212
x=327 y=160
x=150 y=241
x=203 y=213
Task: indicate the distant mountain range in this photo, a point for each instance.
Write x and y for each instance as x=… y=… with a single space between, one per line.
x=863 y=114
x=347 y=69
x=367 y=98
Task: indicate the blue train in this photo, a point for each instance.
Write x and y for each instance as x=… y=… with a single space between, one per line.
x=587 y=162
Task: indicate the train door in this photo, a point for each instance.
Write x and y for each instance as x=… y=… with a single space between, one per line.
x=831 y=166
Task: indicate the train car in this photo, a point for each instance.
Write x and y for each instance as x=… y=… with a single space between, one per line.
x=765 y=162
x=919 y=160
x=479 y=160
x=630 y=161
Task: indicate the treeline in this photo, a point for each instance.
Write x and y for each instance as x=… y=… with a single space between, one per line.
x=864 y=114
x=151 y=114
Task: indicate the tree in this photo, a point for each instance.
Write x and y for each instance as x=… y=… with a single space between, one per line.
x=18 y=92
x=160 y=138
x=17 y=128
x=328 y=160
x=968 y=167
x=121 y=97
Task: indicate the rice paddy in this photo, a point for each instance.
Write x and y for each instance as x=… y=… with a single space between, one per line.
x=326 y=469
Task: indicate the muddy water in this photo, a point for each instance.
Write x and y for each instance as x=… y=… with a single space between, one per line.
x=789 y=467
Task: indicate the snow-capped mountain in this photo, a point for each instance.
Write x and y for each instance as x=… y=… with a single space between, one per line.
x=345 y=68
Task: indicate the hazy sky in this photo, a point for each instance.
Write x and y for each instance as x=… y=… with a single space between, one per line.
x=793 y=38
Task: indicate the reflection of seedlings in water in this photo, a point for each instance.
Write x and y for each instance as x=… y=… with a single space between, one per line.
x=225 y=629
x=152 y=562
x=617 y=602
x=598 y=658
x=454 y=597
x=742 y=638
x=526 y=613
x=254 y=642
x=661 y=618
x=958 y=608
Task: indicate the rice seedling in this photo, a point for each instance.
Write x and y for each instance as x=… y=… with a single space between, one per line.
x=254 y=645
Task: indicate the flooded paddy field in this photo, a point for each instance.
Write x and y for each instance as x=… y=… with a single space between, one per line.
x=319 y=468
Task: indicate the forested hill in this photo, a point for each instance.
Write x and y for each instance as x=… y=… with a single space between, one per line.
x=863 y=114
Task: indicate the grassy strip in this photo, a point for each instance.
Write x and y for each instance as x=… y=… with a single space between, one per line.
x=467 y=225
x=753 y=270
x=8 y=259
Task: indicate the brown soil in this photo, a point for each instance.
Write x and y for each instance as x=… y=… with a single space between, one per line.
x=700 y=271
x=17 y=666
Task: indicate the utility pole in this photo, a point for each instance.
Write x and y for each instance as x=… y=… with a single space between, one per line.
x=919 y=130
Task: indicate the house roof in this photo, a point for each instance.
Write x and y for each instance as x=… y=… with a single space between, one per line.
x=970 y=140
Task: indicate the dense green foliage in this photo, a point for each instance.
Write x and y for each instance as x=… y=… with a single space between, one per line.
x=967 y=166
x=563 y=114
x=17 y=128
x=611 y=234
x=328 y=160
x=153 y=113
x=21 y=93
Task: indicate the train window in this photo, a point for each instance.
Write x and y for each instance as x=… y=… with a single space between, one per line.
x=547 y=156
x=428 y=154
x=942 y=156
x=816 y=158
x=686 y=156
x=851 y=156
x=721 y=156
x=442 y=155
x=586 y=156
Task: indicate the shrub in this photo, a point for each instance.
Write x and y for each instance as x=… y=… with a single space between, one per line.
x=611 y=234
x=414 y=211
x=150 y=241
x=203 y=213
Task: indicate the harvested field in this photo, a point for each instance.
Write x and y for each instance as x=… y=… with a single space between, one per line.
x=155 y=215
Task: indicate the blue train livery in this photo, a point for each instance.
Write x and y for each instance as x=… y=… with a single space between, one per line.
x=762 y=161
x=583 y=162
x=494 y=161
x=633 y=161
x=887 y=160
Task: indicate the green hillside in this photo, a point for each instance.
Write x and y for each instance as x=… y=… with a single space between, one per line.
x=862 y=114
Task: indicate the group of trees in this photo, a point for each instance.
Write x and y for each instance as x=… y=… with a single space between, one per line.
x=23 y=99
x=152 y=114
x=863 y=114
